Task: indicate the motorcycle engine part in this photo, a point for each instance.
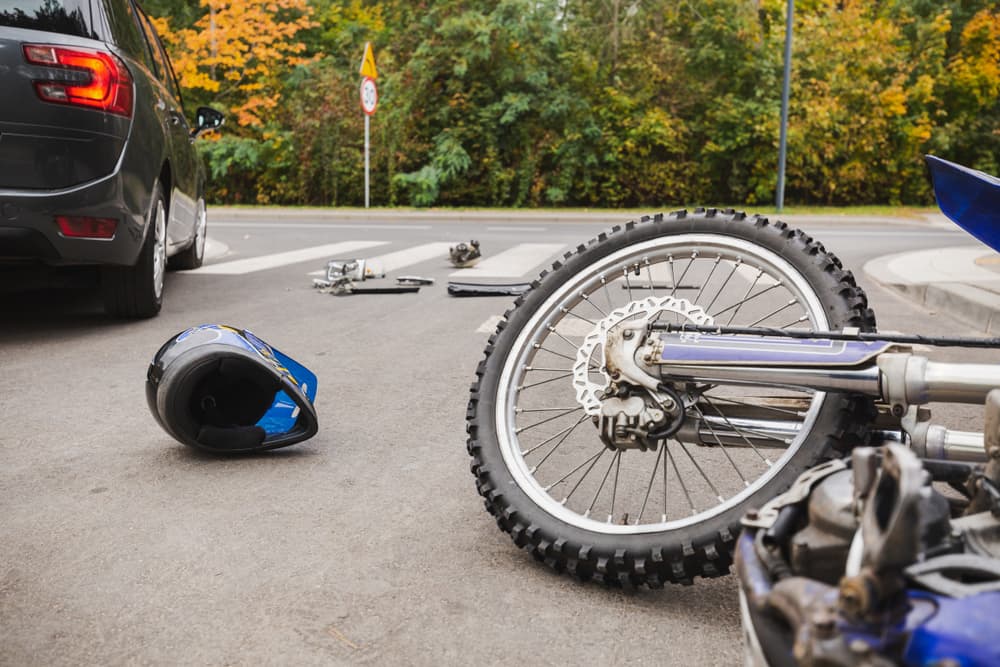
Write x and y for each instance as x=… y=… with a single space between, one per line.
x=938 y=607
x=487 y=289
x=465 y=255
x=221 y=389
x=819 y=551
x=626 y=516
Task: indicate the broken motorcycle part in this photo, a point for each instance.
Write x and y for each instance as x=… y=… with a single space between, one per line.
x=486 y=289
x=465 y=255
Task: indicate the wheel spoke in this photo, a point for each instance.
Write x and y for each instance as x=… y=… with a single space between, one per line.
x=680 y=479
x=566 y=430
x=738 y=305
x=732 y=272
x=614 y=489
x=711 y=273
x=694 y=256
x=551 y=379
x=549 y=419
x=745 y=439
x=592 y=461
x=718 y=441
x=772 y=314
x=649 y=487
x=604 y=480
x=565 y=435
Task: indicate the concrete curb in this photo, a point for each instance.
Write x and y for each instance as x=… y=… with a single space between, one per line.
x=975 y=304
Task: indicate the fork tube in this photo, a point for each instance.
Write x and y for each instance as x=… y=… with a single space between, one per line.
x=861 y=381
x=914 y=380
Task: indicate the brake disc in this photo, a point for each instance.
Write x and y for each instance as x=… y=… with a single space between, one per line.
x=588 y=393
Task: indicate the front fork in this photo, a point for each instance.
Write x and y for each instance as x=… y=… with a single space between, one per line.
x=902 y=381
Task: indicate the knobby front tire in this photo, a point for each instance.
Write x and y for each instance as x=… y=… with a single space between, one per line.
x=634 y=517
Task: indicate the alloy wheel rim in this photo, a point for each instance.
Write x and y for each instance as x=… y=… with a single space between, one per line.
x=200 y=232
x=159 y=250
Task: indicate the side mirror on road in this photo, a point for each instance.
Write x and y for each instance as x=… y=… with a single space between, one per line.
x=206 y=119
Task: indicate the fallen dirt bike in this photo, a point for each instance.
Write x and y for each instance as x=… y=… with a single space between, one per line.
x=673 y=373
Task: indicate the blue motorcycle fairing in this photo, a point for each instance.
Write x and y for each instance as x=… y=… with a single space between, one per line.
x=969 y=198
x=960 y=633
x=708 y=349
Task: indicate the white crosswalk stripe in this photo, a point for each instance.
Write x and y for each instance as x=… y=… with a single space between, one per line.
x=521 y=260
x=252 y=264
x=513 y=262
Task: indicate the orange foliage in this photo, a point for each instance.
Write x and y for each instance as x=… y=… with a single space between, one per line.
x=235 y=49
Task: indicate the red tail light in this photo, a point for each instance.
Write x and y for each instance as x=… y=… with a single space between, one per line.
x=95 y=79
x=81 y=227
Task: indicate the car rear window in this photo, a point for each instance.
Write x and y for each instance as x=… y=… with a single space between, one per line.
x=84 y=18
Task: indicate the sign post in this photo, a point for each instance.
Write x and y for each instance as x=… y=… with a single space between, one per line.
x=369 y=101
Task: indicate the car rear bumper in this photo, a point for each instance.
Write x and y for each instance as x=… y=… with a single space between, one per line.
x=29 y=232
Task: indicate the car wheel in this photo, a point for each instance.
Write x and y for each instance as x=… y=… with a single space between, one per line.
x=192 y=256
x=137 y=291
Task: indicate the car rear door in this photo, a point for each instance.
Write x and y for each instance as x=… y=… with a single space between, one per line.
x=180 y=152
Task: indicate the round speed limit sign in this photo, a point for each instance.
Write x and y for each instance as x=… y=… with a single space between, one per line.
x=369 y=95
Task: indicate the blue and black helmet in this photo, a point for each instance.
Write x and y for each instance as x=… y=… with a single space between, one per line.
x=221 y=389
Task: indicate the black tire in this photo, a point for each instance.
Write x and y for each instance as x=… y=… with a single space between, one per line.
x=137 y=291
x=193 y=256
x=701 y=547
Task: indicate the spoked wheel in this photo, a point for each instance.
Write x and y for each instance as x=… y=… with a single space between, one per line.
x=634 y=513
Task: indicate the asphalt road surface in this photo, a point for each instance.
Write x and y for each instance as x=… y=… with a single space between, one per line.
x=366 y=544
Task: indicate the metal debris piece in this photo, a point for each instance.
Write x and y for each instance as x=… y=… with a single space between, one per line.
x=414 y=280
x=465 y=255
x=487 y=289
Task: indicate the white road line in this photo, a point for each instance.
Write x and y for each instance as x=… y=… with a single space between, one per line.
x=490 y=325
x=394 y=261
x=251 y=264
x=514 y=262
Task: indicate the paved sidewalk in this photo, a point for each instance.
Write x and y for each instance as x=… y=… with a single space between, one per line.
x=963 y=281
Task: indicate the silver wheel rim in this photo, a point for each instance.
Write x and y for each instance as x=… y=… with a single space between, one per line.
x=200 y=232
x=159 y=249
x=559 y=422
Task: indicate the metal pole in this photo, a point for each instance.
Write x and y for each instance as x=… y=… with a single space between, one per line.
x=783 y=141
x=367 y=125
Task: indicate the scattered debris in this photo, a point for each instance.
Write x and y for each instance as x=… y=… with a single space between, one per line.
x=465 y=255
x=487 y=289
x=342 y=276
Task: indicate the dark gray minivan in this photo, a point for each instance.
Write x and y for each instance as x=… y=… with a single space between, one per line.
x=97 y=165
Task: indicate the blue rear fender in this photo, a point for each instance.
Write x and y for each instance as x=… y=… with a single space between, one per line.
x=969 y=198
